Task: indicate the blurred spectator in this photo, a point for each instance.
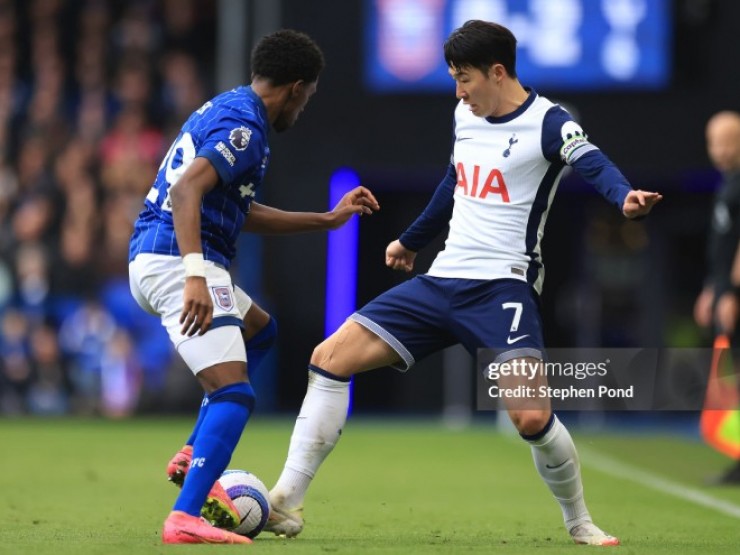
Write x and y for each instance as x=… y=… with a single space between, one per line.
x=718 y=305
x=182 y=90
x=131 y=152
x=120 y=377
x=84 y=336
x=47 y=395
x=15 y=365
x=32 y=279
x=8 y=192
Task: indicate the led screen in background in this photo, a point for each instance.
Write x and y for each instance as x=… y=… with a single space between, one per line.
x=562 y=44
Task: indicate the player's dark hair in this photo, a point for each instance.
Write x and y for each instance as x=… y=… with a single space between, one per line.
x=287 y=56
x=481 y=44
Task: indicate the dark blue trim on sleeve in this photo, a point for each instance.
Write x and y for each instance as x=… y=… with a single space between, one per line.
x=600 y=172
x=218 y=162
x=435 y=216
x=552 y=140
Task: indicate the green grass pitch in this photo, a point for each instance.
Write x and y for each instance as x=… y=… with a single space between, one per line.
x=98 y=487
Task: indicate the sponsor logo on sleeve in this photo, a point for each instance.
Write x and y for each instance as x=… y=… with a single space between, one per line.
x=239 y=137
x=226 y=153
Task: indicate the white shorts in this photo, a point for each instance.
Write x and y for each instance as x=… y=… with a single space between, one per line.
x=157 y=282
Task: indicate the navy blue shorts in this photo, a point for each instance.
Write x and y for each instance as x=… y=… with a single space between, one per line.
x=427 y=314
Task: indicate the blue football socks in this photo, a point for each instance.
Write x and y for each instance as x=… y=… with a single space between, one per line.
x=221 y=427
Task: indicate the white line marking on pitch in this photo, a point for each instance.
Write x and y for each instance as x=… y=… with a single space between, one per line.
x=615 y=468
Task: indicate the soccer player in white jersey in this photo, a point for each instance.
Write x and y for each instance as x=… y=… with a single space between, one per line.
x=181 y=248
x=510 y=149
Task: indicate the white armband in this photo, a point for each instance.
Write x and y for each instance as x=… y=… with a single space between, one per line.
x=195 y=265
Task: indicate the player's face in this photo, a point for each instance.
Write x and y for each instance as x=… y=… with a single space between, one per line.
x=300 y=93
x=477 y=90
x=723 y=145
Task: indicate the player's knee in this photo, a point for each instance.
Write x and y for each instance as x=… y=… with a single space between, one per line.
x=265 y=338
x=529 y=422
x=321 y=354
x=325 y=357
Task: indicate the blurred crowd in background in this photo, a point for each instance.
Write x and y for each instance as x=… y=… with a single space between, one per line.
x=91 y=93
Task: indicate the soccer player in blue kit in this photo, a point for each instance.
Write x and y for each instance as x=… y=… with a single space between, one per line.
x=181 y=248
x=510 y=149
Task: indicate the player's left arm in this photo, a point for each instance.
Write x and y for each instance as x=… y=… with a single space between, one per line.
x=564 y=141
x=435 y=217
x=598 y=170
x=187 y=195
x=267 y=220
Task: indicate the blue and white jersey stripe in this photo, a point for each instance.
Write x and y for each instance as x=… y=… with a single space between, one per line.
x=231 y=132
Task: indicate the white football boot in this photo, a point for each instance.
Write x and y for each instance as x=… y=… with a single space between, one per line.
x=588 y=533
x=287 y=523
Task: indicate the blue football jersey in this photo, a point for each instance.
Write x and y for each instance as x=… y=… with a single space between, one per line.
x=231 y=132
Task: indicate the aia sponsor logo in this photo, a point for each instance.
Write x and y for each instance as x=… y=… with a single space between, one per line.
x=476 y=183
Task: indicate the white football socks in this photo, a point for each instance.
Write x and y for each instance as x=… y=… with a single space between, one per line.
x=556 y=460
x=317 y=430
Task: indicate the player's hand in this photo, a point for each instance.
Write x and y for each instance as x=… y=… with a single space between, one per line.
x=727 y=313
x=197 y=311
x=358 y=201
x=703 y=307
x=639 y=203
x=399 y=257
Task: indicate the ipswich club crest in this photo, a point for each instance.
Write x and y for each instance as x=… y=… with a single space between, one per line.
x=223 y=298
x=239 y=137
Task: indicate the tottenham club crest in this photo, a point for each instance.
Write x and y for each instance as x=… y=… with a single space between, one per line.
x=512 y=141
x=239 y=138
x=223 y=298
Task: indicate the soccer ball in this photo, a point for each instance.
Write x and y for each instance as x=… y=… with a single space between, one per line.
x=250 y=496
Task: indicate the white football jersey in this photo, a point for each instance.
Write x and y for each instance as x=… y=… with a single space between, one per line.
x=508 y=170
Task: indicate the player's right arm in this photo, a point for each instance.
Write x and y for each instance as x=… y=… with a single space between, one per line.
x=435 y=216
x=399 y=257
x=400 y=253
x=186 y=195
